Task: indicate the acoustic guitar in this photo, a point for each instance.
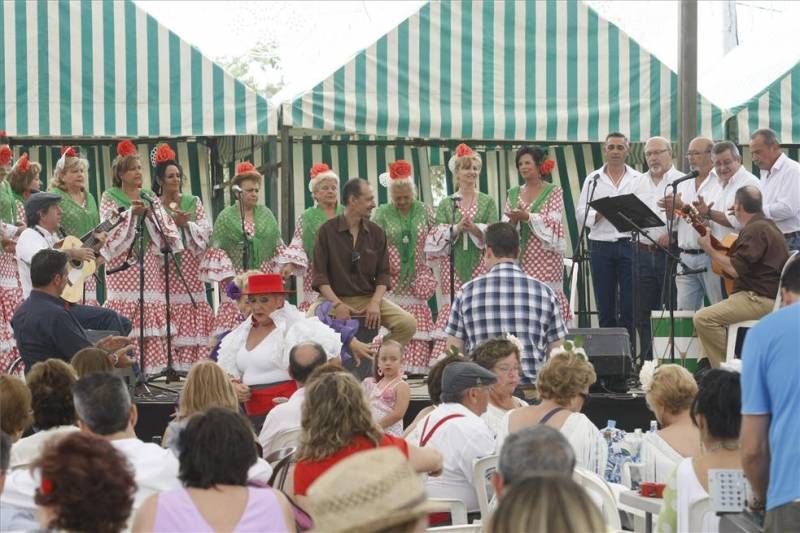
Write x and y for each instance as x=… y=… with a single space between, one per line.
x=79 y=271
x=724 y=245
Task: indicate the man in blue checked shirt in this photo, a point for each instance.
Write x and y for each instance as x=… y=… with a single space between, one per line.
x=506 y=300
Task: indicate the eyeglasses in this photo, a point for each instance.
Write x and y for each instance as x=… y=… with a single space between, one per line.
x=695 y=154
x=355 y=258
x=656 y=152
x=509 y=370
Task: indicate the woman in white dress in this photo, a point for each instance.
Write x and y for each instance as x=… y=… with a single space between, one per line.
x=717 y=413
x=255 y=354
x=501 y=356
x=563 y=384
x=670 y=394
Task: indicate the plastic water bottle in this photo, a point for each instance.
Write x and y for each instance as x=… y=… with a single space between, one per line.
x=608 y=430
x=653 y=426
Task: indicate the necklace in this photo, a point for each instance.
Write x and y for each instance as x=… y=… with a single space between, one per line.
x=722 y=445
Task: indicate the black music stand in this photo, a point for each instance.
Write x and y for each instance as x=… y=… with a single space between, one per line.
x=628 y=214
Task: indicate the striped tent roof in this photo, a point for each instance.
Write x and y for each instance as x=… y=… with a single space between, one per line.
x=76 y=68
x=776 y=107
x=507 y=70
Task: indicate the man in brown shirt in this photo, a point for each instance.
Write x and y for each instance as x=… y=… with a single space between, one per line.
x=755 y=262
x=351 y=266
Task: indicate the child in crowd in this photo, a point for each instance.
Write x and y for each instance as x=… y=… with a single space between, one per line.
x=388 y=394
x=235 y=289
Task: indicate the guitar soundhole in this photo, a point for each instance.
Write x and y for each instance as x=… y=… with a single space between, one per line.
x=76 y=264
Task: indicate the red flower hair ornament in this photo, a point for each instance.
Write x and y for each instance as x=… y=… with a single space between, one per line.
x=5 y=156
x=126 y=148
x=547 y=167
x=162 y=153
x=66 y=151
x=245 y=167
x=399 y=172
x=319 y=172
x=46 y=486
x=462 y=150
x=23 y=163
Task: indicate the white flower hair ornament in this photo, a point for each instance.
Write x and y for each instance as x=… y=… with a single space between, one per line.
x=646 y=375
x=574 y=347
x=515 y=341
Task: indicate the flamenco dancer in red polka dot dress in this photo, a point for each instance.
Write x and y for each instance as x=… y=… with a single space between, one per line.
x=123 y=286
x=10 y=290
x=407 y=222
x=537 y=208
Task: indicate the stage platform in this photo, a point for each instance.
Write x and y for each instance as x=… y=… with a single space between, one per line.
x=629 y=410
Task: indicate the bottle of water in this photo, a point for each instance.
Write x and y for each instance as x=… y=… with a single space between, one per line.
x=653 y=426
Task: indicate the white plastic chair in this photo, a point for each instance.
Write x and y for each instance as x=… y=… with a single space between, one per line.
x=456 y=508
x=572 y=275
x=481 y=468
x=286 y=439
x=600 y=493
x=697 y=513
x=733 y=329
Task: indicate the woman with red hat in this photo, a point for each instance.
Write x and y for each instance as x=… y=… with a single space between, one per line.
x=10 y=290
x=226 y=253
x=256 y=353
x=192 y=322
x=123 y=286
x=407 y=222
x=472 y=213
x=324 y=187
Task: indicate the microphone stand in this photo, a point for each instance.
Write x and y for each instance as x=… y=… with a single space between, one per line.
x=166 y=251
x=580 y=254
x=455 y=200
x=245 y=238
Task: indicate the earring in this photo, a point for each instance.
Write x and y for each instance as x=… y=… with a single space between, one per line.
x=380 y=372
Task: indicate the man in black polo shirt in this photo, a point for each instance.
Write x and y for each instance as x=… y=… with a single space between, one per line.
x=44 y=328
x=351 y=266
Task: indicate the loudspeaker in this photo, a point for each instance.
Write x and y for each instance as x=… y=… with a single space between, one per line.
x=609 y=351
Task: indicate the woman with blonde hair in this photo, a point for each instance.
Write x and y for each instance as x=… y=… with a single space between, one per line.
x=563 y=383
x=555 y=504
x=123 y=286
x=15 y=406
x=670 y=391
x=80 y=214
x=337 y=422
x=90 y=360
x=470 y=212
x=206 y=386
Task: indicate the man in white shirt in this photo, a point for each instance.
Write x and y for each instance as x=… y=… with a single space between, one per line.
x=43 y=217
x=303 y=359
x=457 y=431
x=693 y=288
x=654 y=278
x=609 y=249
x=105 y=410
x=731 y=176
x=780 y=184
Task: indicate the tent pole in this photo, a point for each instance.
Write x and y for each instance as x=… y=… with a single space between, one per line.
x=687 y=77
x=286 y=184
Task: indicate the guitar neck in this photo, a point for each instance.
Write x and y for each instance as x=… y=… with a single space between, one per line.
x=700 y=228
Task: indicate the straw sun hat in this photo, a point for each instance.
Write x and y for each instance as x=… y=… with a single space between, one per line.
x=369 y=490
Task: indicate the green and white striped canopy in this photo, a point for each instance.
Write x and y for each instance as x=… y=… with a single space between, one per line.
x=548 y=70
x=80 y=68
x=776 y=107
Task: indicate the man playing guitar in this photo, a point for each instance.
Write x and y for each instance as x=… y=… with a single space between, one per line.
x=754 y=261
x=43 y=217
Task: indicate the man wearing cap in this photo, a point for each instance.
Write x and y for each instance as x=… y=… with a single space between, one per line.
x=456 y=429
x=43 y=218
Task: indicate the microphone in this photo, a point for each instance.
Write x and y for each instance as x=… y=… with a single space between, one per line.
x=691 y=175
x=119 y=268
x=237 y=190
x=146 y=197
